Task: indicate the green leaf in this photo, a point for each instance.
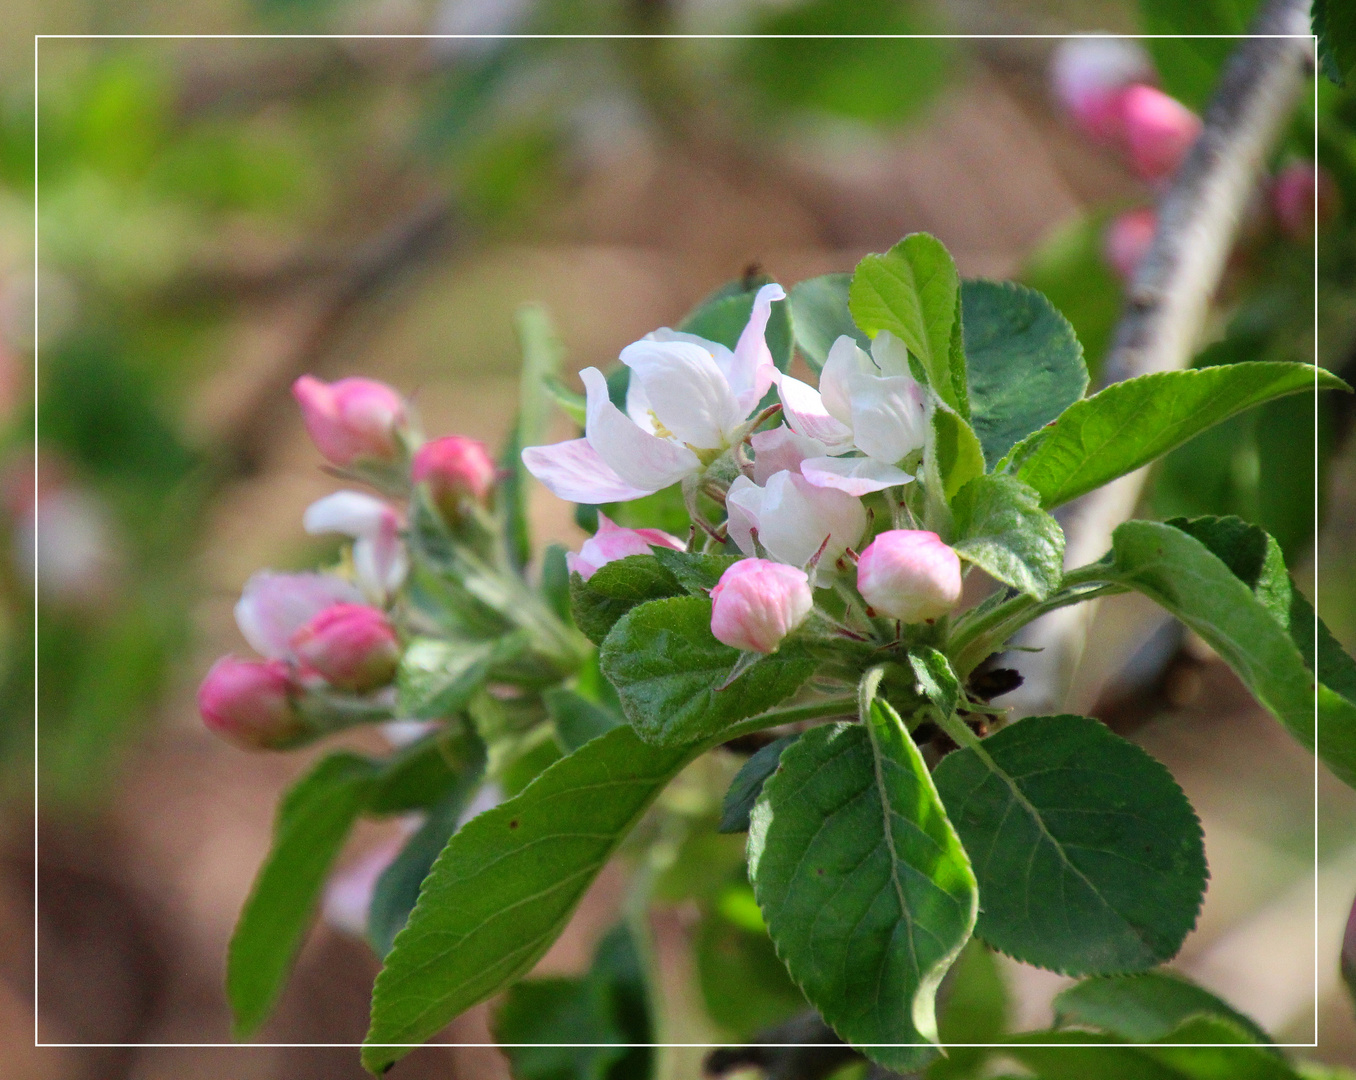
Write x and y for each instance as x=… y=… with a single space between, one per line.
x=820 y=316
x=914 y=292
x=607 y=1008
x=1144 y=1008
x=577 y=719
x=313 y=822
x=745 y=988
x=555 y=581
x=748 y=785
x=1335 y=25
x=673 y=677
x=421 y=775
x=614 y=589
x=866 y=890
x=506 y=884
x=1001 y=528
x=722 y=316
x=954 y=456
x=695 y=572
x=437 y=677
x=936 y=680
x=1024 y=363
x=1130 y=423
x=1089 y=857
x=1061 y=1055
x=973 y=1009
x=1190 y=66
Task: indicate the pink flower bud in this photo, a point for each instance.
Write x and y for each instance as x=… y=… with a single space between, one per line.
x=351 y=419
x=1158 y=130
x=456 y=469
x=910 y=575
x=612 y=542
x=1293 y=193
x=1127 y=240
x=351 y=646
x=249 y=702
x=757 y=603
x=1088 y=74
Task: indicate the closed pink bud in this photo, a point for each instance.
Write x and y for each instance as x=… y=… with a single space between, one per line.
x=455 y=469
x=1127 y=240
x=249 y=702
x=351 y=646
x=1293 y=194
x=1088 y=75
x=1158 y=130
x=757 y=603
x=910 y=575
x=351 y=419
x=612 y=542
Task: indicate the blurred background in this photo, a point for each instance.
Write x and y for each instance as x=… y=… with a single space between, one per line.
x=220 y=216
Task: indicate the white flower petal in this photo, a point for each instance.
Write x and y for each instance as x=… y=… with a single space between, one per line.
x=352 y=513
x=782 y=450
x=743 y=504
x=889 y=417
x=644 y=461
x=381 y=563
x=846 y=372
x=856 y=476
x=890 y=354
x=796 y=518
x=574 y=471
x=752 y=370
x=805 y=414
x=686 y=389
x=273 y=607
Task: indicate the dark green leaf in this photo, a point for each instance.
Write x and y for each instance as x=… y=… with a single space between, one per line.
x=866 y=890
x=421 y=775
x=722 y=316
x=672 y=675
x=1131 y=423
x=1335 y=25
x=1089 y=857
x=555 y=581
x=506 y=884
x=577 y=719
x=313 y=822
x=614 y=589
x=936 y=680
x=744 y=986
x=695 y=572
x=913 y=291
x=1024 y=364
x=1053 y=1056
x=820 y=316
x=1143 y=1008
x=1001 y=528
x=748 y=785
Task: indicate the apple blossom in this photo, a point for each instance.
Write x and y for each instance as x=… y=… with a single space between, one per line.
x=1158 y=130
x=612 y=541
x=1088 y=75
x=455 y=468
x=794 y=519
x=1127 y=240
x=379 y=557
x=870 y=403
x=273 y=607
x=688 y=400
x=756 y=603
x=351 y=646
x=351 y=419
x=909 y=574
x=249 y=702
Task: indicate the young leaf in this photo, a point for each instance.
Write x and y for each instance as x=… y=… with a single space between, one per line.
x=313 y=822
x=820 y=316
x=614 y=589
x=748 y=785
x=867 y=892
x=914 y=292
x=437 y=677
x=1144 y=1008
x=1131 y=423
x=673 y=677
x=1024 y=363
x=954 y=456
x=506 y=884
x=1001 y=528
x=936 y=680
x=722 y=316
x=695 y=572
x=577 y=719
x=1089 y=857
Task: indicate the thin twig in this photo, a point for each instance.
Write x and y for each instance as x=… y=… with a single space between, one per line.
x=1169 y=298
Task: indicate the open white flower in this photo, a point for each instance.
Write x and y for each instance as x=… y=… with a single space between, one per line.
x=869 y=403
x=687 y=401
x=379 y=557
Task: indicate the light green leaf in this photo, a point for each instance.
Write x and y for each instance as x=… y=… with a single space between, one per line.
x=914 y=292
x=936 y=680
x=866 y=890
x=673 y=677
x=1023 y=361
x=1001 y=528
x=748 y=785
x=974 y=1008
x=543 y=354
x=955 y=456
x=820 y=316
x=506 y=884
x=722 y=316
x=1144 y=1008
x=1131 y=423
x=614 y=589
x=313 y=822
x=745 y=988
x=1089 y=857
x=437 y=677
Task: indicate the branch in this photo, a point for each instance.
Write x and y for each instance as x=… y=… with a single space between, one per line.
x=1169 y=298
